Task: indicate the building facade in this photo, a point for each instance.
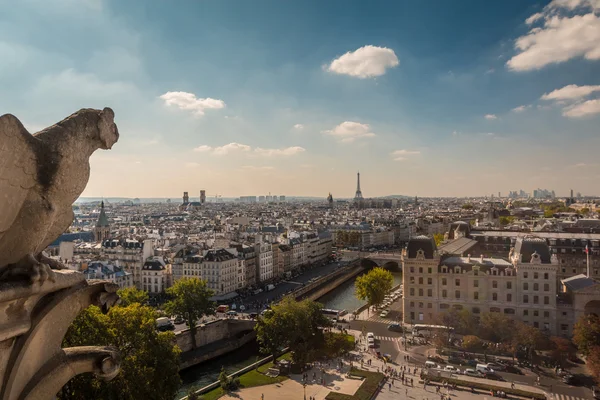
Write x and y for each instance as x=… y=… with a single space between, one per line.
x=523 y=288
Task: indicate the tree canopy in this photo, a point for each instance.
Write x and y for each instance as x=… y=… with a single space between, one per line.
x=190 y=299
x=586 y=333
x=293 y=324
x=149 y=359
x=374 y=285
x=439 y=238
x=132 y=295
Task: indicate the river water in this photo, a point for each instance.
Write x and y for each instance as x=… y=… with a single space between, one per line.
x=341 y=298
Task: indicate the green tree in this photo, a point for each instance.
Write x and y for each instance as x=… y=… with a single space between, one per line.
x=149 y=359
x=506 y=220
x=439 y=238
x=132 y=295
x=472 y=343
x=293 y=324
x=374 y=286
x=586 y=333
x=496 y=327
x=467 y=206
x=562 y=350
x=593 y=362
x=528 y=337
x=190 y=299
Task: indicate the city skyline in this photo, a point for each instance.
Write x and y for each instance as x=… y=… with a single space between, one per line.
x=293 y=98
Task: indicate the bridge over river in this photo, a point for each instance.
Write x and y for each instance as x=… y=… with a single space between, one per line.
x=387 y=260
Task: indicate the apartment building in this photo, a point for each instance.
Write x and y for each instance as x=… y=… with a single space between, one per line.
x=155 y=275
x=264 y=261
x=219 y=269
x=523 y=287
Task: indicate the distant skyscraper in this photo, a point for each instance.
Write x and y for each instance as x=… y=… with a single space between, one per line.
x=186 y=198
x=358 y=195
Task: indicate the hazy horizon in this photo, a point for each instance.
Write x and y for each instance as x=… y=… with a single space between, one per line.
x=434 y=99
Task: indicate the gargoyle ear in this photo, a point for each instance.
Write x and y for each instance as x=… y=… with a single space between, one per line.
x=107 y=129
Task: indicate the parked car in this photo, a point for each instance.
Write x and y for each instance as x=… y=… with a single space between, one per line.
x=164 y=324
x=451 y=368
x=493 y=376
x=454 y=360
x=472 y=372
x=395 y=327
x=497 y=366
x=384 y=314
x=232 y=313
x=571 y=379
x=253 y=315
x=179 y=320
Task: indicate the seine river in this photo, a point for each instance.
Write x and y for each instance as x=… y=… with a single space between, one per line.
x=341 y=298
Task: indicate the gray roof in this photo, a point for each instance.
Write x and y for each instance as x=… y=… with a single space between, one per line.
x=424 y=243
x=529 y=245
x=458 y=246
x=578 y=282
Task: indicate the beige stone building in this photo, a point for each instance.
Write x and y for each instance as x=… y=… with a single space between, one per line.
x=523 y=286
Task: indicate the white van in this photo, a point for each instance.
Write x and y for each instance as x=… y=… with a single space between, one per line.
x=484 y=369
x=430 y=364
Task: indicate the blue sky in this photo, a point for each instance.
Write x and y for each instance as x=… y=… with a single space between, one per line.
x=437 y=98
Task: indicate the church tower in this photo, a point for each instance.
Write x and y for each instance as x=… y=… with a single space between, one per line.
x=102 y=229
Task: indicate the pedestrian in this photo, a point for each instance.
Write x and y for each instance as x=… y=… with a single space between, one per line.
x=406 y=392
x=512 y=385
x=262 y=396
x=389 y=385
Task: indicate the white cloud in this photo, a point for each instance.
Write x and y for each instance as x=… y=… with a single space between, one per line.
x=490 y=116
x=192 y=164
x=534 y=18
x=571 y=92
x=202 y=149
x=257 y=168
x=583 y=109
x=402 y=155
x=559 y=38
x=189 y=102
x=287 y=151
x=348 y=131
x=298 y=127
x=237 y=147
x=231 y=147
x=365 y=62
x=520 y=109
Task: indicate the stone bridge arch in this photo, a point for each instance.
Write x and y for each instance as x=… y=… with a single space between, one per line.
x=388 y=264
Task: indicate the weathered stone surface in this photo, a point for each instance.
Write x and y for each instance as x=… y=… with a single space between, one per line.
x=41 y=176
x=35 y=319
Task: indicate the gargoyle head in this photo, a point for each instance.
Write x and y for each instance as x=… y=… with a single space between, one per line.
x=107 y=129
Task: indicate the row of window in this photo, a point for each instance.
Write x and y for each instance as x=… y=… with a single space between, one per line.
x=476 y=310
x=457 y=295
x=475 y=272
x=476 y=283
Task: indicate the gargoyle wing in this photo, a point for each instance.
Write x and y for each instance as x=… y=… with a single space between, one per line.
x=18 y=169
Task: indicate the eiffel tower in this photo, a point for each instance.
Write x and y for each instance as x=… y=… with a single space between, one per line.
x=358 y=195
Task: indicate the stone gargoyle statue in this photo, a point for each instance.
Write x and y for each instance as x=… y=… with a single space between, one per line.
x=41 y=176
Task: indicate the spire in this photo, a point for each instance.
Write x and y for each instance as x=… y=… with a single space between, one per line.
x=102 y=218
x=358 y=195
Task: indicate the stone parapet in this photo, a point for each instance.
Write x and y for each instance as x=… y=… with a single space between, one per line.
x=34 y=319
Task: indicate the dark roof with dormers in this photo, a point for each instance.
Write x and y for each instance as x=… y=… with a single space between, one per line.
x=528 y=245
x=461 y=226
x=424 y=243
x=578 y=282
x=153 y=265
x=218 y=255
